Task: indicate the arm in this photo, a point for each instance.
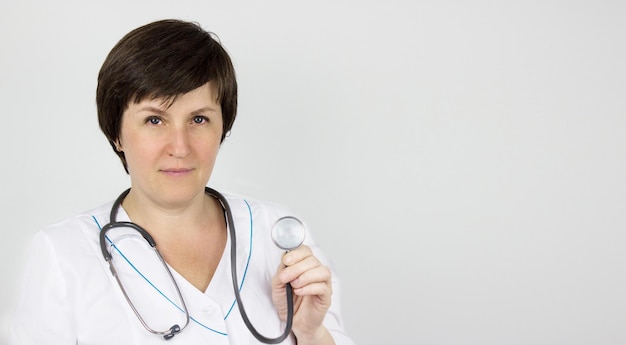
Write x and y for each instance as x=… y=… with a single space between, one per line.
x=42 y=315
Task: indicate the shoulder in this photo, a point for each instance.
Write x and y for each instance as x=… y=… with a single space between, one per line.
x=94 y=217
x=261 y=215
x=78 y=230
x=69 y=250
x=257 y=209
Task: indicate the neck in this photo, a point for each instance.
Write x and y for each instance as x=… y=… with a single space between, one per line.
x=201 y=214
x=190 y=237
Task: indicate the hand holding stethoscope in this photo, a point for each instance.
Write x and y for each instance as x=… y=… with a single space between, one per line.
x=311 y=282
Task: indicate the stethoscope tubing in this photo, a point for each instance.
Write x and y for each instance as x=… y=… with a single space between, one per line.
x=172 y=331
x=235 y=279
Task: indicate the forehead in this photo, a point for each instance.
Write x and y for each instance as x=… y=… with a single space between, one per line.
x=204 y=95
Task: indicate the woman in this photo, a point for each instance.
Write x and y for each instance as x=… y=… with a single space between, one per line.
x=166 y=98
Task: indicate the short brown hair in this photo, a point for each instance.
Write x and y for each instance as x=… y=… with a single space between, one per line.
x=163 y=59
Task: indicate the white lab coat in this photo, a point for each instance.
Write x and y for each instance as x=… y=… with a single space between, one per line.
x=69 y=295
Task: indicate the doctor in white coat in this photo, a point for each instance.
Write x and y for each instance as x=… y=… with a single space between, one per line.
x=166 y=98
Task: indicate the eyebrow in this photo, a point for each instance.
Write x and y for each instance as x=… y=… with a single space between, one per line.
x=160 y=111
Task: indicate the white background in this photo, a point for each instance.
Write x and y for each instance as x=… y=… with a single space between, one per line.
x=462 y=162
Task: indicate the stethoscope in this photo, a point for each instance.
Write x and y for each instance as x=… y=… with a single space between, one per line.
x=287 y=233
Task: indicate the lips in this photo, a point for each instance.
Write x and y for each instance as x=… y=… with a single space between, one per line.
x=176 y=171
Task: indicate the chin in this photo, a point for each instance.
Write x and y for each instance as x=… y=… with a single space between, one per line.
x=181 y=193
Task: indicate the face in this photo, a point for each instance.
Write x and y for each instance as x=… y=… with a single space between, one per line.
x=171 y=150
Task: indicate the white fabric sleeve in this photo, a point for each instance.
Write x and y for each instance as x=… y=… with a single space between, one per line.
x=333 y=320
x=42 y=315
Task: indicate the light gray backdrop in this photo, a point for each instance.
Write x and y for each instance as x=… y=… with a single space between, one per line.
x=462 y=162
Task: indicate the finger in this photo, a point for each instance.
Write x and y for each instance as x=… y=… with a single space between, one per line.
x=292 y=272
x=319 y=274
x=298 y=254
x=315 y=289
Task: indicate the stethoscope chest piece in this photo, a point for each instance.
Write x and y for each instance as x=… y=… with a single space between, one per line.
x=288 y=233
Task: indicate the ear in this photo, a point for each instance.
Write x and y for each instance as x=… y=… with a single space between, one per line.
x=118 y=145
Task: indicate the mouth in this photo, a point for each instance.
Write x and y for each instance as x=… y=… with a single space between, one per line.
x=176 y=171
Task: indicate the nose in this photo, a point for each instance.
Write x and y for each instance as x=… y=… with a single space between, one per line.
x=179 y=142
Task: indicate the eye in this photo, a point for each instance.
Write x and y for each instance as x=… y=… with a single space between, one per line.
x=200 y=119
x=153 y=120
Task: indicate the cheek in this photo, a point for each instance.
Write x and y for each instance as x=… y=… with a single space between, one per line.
x=138 y=153
x=210 y=152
